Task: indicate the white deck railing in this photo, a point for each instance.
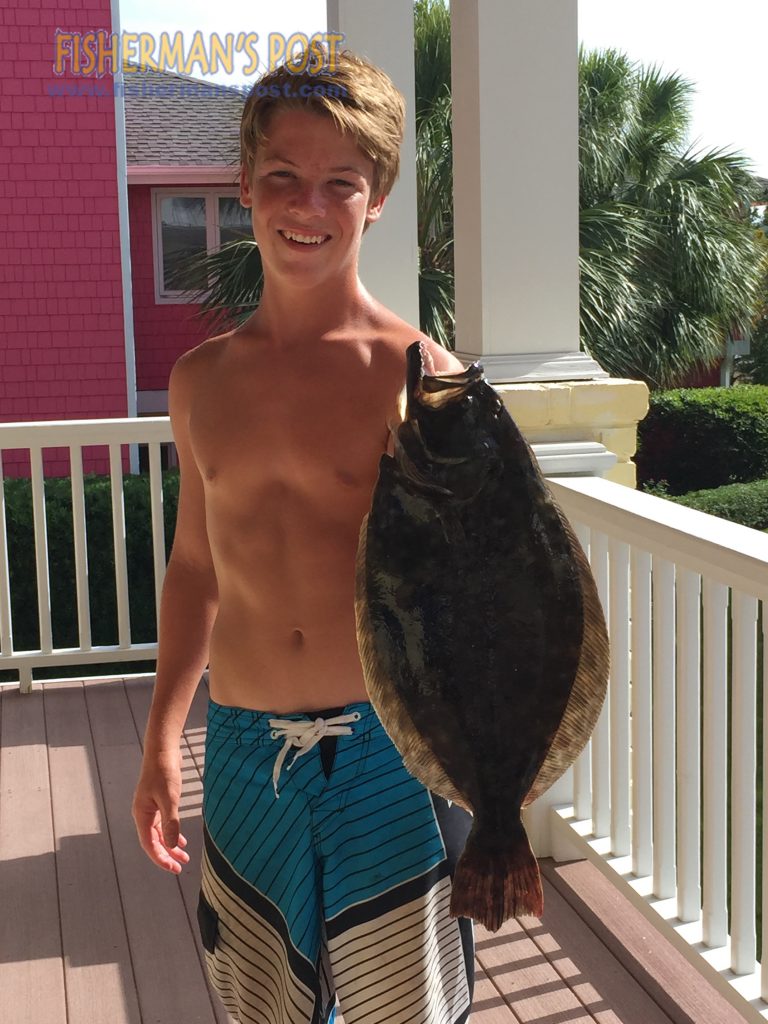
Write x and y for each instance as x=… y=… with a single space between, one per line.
x=681 y=590
x=651 y=794
x=77 y=435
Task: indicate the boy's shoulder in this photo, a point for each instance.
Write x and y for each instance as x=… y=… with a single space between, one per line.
x=402 y=335
x=200 y=358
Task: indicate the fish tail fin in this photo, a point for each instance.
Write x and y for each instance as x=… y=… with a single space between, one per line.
x=491 y=885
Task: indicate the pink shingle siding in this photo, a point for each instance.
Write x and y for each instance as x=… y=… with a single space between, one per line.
x=163 y=331
x=62 y=353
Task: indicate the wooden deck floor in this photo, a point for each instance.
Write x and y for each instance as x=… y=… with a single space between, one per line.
x=92 y=933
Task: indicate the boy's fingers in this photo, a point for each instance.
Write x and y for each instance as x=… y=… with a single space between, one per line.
x=169 y=857
x=170 y=831
x=427 y=360
x=152 y=837
x=147 y=827
x=179 y=855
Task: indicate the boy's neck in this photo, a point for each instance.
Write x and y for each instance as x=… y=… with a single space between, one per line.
x=296 y=316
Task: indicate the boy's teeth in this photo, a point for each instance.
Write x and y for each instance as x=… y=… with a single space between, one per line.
x=306 y=239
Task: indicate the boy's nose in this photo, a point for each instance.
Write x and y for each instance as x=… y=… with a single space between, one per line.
x=307 y=199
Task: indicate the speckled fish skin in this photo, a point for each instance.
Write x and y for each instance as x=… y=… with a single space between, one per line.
x=480 y=632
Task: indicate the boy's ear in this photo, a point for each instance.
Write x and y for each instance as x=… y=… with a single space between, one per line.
x=245 y=188
x=374 y=210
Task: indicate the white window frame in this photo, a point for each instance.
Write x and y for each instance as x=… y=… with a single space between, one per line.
x=211 y=196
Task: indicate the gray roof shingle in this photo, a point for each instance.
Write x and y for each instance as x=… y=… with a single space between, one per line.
x=173 y=120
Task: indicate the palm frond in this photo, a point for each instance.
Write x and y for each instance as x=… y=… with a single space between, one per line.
x=432 y=47
x=235 y=278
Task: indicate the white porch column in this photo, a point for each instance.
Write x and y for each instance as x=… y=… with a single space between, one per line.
x=516 y=207
x=383 y=32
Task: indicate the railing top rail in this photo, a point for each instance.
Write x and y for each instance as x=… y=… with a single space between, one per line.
x=60 y=433
x=732 y=554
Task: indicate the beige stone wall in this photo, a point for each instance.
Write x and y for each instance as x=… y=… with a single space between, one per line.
x=606 y=411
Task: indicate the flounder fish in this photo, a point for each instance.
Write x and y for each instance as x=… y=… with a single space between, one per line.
x=479 y=627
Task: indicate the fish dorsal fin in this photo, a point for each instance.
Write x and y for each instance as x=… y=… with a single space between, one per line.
x=589 y=687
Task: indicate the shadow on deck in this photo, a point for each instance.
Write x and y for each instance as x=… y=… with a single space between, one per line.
x=92 y=933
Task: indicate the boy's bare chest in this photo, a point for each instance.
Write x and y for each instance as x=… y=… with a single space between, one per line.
x=314 y=431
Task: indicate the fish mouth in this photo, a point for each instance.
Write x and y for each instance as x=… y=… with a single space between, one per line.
x=431 y=390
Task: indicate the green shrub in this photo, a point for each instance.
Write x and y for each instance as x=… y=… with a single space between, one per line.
x=746 y=504
x=101 y=560
x=702 y=438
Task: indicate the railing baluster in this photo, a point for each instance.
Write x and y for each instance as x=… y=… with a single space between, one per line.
x=81 y=546
x=41 y=550
x=6 y=619
x=743 y=790
x=715 y=761
x=619 y=618
x=582 y=781
x=601 y=766
x=688 y=746
x=121 y=555
x=642 y=736
x=663 y=728
x=158 y=527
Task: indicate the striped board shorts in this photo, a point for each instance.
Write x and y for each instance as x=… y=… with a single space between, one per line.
x=327 y=873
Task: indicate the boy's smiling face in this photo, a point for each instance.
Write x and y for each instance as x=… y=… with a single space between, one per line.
x=310 y=197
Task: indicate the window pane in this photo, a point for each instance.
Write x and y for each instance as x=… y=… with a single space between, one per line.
x=183 y=233
x=234 y=220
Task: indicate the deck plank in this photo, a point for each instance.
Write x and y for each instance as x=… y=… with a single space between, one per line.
x=98 y=971
x=488 y=1004
x=170 y=987
x=139 y=693
x=31 y=968
x=660 y=969
x=599 y=981
x=526 y=979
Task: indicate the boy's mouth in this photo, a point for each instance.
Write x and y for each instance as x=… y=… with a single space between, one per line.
x=295 y=239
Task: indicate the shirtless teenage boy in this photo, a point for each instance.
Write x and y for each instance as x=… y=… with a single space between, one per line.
x=326 y=867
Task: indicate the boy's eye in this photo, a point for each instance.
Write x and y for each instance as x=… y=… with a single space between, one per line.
x=341 y=181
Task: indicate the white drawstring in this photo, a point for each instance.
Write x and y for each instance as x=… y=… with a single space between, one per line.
x=305 y=735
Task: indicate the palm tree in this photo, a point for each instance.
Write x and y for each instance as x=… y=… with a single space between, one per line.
x=669 y=260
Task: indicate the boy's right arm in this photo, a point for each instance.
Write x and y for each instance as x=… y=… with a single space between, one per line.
x=187 y=612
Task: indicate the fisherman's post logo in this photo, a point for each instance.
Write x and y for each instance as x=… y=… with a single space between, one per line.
x=100 y=53
x=94 y=56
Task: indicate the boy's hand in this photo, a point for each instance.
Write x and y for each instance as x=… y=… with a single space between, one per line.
x=427 y=361
x=156 y=810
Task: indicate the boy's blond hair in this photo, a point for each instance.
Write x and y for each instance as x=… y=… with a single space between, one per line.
x=360 y=98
